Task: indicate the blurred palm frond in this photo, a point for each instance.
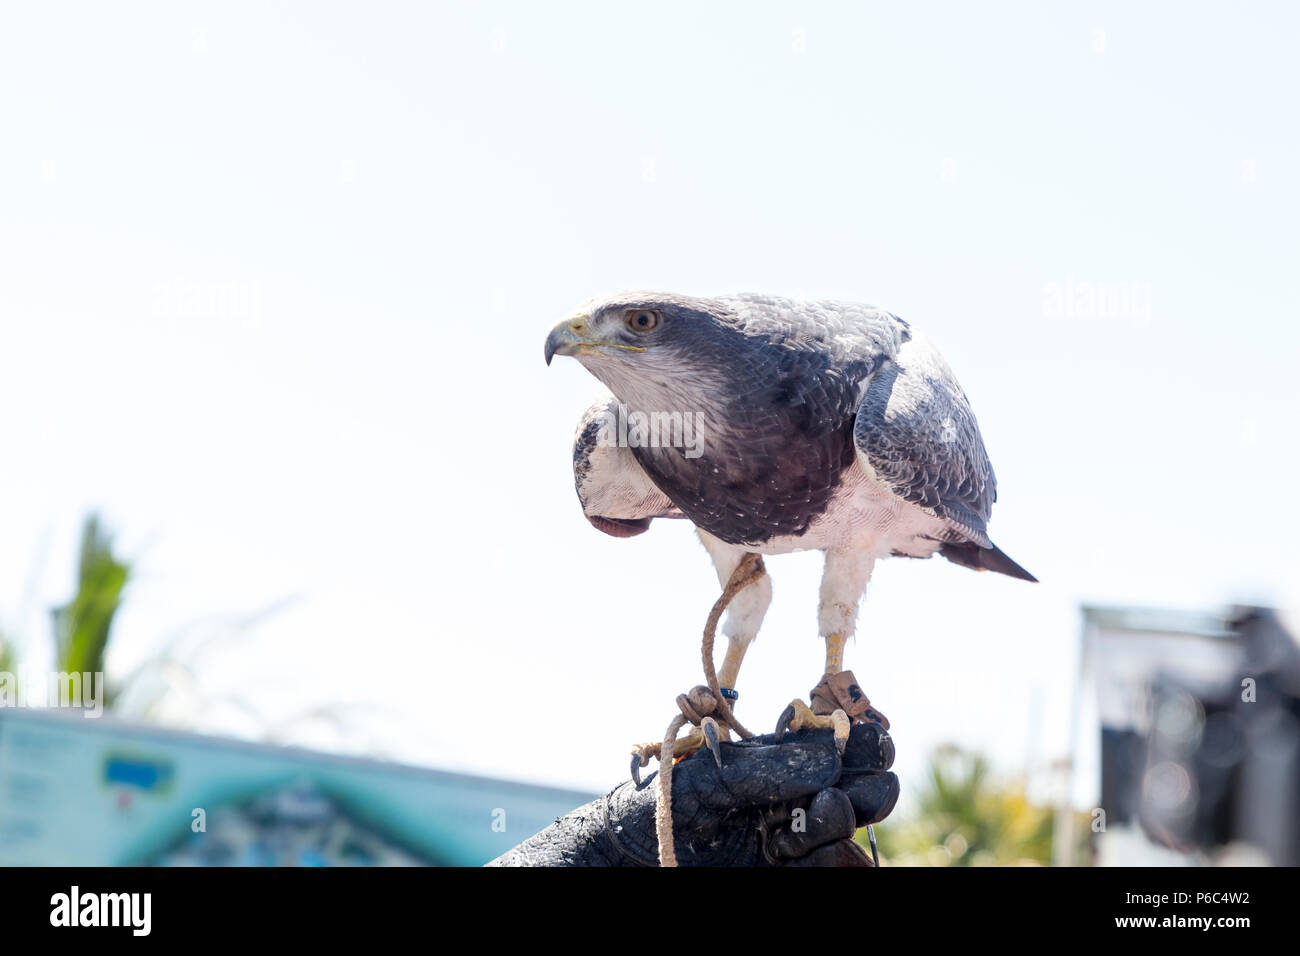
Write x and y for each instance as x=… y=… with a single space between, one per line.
x=83 y=626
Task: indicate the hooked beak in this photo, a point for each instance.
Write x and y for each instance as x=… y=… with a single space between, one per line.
x=568 y=337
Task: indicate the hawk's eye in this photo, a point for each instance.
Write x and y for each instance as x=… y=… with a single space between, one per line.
x=642 y=320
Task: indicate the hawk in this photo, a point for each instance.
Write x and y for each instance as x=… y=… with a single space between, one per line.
x=775 y=425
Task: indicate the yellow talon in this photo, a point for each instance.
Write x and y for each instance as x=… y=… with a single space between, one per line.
x=803 y=717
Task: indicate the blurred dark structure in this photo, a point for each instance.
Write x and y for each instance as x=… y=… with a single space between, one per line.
x=1200 y=731
x=1223 y=764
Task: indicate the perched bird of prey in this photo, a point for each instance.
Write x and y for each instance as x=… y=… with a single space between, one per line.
x=776 y=425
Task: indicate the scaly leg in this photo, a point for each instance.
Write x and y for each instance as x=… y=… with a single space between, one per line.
x=835 y=652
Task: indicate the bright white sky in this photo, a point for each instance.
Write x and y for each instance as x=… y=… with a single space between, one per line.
x=274 y=283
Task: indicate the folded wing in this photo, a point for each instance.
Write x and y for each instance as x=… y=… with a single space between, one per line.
x=915 y=431
x=616 y=494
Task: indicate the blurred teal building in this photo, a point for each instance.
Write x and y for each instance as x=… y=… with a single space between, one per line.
x=100 y=792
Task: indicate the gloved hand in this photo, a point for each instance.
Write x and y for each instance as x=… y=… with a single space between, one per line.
x=796 y=803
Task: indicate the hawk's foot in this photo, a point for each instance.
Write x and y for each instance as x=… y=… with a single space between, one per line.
x=836 y=696
x=708 y=734
x=799 y=716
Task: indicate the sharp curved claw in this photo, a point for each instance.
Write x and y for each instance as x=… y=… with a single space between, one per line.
x=783 y=723
x=840 y=721
x=871 y=838
x=710 y=728
x=636 y=770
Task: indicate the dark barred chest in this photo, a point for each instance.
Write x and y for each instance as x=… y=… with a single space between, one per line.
x=749 y=485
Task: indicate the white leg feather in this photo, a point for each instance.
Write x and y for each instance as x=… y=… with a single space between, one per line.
x=843 y=583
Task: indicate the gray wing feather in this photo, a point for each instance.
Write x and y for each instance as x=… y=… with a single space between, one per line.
x=916 y=430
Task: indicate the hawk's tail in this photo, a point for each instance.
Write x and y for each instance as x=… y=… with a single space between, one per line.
x=984 y=559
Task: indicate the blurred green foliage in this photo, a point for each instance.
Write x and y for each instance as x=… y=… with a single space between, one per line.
x=84 y=626
x=966 y=817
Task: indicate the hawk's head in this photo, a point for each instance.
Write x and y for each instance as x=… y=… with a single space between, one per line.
x=646 y=338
